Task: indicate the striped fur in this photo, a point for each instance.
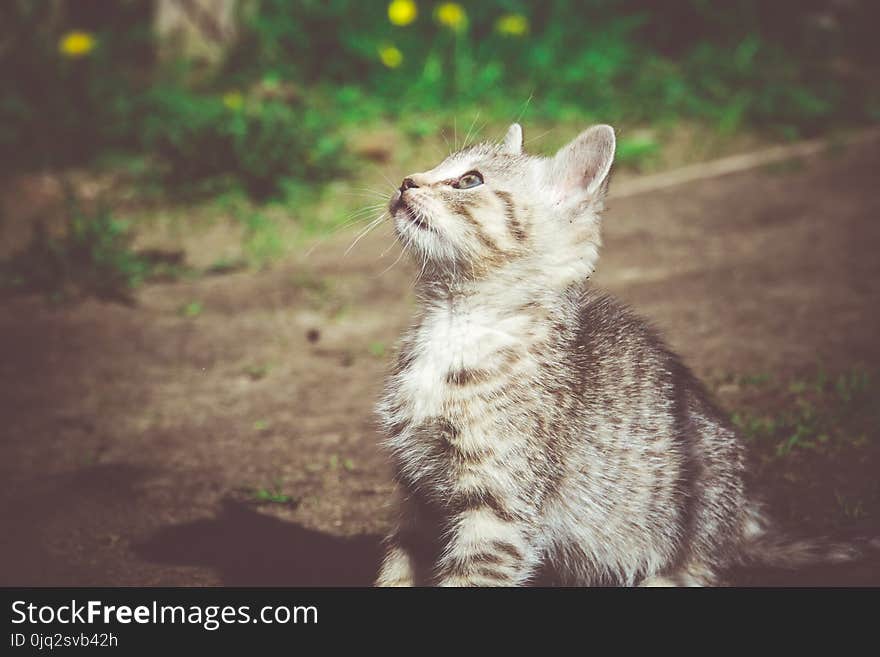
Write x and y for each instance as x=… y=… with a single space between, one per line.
x=533 y=422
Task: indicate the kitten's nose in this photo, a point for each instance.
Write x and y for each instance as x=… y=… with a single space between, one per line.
x=408 y=183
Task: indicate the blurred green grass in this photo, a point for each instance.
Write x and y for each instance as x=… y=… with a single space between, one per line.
x=811 y=434
x=283 y=122
x=300 y=71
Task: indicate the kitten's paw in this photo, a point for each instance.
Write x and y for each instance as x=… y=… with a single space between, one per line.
x=658 y=581
x=693 y=574
x=394 y=583
x=398 y=569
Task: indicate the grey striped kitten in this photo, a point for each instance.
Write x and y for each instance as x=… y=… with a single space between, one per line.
x=533 y=422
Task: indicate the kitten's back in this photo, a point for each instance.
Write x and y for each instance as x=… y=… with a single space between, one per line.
x=653 y=461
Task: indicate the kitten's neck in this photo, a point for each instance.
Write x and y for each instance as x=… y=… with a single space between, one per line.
x=536 y=285
x=497 y=296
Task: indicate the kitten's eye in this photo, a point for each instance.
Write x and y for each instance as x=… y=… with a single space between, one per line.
x=468 y=180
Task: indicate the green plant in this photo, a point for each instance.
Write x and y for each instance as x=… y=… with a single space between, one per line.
x=191 y=310
x=622 y=59
x=258 y=371
x=272 y=113
x=818 y=415
x=274 y=496
x=92 y=256
x=346 y=463
x=200 y=137
x=263 y=242
x=72 y=74
x=635 y=151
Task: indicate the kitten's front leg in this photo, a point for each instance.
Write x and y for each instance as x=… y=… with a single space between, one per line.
x=404 y=562
x=692 y=573
x=398 y=566
x=486 y=549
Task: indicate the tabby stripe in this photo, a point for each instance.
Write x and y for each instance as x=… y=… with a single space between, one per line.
x=397 y=428
x=483 y=564
x=507 y=548
x=485 y=558
x=464 y=569
x=472 y=500
x=467 y=457
x=467 y=376
x=487 y=241
x=472 y=376
x=404 y=359
x=491 y=573
x=513 y=223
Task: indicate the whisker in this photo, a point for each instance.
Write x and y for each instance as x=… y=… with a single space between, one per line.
x=390 y=246
x=366 y=192
x=448 y=148
x=367 y=208
x=480 y=129
x=367 y=216
x=543 y=134
x=370 y=225
x=371 y=206
x=422 y=271
x=347 y=222
x=365 y=231
x=336 y=229
x=439 y=150
x=525 y=107
x=387 y=179
x=473 y=123
x=388 y=268
x=355 y=217
x=421 y=215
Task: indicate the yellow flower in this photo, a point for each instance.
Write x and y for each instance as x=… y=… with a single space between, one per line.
x=512 y=25
x=76 y=44
x=233 y=100
x=451 y=14
x=390 y=56
x=402 y=12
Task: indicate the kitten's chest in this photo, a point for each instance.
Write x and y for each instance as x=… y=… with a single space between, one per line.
x=458 y=363
x=458 y=406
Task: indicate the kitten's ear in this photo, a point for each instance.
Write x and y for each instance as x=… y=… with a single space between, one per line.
x=585 y=162
x=513 y=140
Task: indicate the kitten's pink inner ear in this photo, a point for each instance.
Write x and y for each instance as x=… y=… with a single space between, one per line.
x=586 y=161
x=513 y=140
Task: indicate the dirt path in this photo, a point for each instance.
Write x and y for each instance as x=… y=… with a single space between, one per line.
x=236 y=446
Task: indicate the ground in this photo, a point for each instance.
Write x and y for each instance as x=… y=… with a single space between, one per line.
x=220 y=430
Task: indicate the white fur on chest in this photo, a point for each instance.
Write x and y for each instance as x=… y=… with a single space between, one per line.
x=448 y=341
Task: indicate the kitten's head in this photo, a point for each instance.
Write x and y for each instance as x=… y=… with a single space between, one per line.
x=492 y=210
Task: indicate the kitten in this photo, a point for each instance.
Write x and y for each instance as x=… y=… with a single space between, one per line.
x=533 y=422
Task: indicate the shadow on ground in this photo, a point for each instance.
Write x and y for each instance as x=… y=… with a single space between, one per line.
x=248 y=548
x=52 y=534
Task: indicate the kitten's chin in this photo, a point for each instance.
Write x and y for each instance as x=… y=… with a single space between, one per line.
x=405 y=214
x=422 y=244
x=414 y=239
x=415 y=231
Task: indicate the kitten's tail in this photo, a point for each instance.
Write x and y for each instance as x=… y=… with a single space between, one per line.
x=765 y=545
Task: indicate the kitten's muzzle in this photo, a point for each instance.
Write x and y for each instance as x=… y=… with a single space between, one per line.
x=397 y=201
x=408 y=183
x=399 y=206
